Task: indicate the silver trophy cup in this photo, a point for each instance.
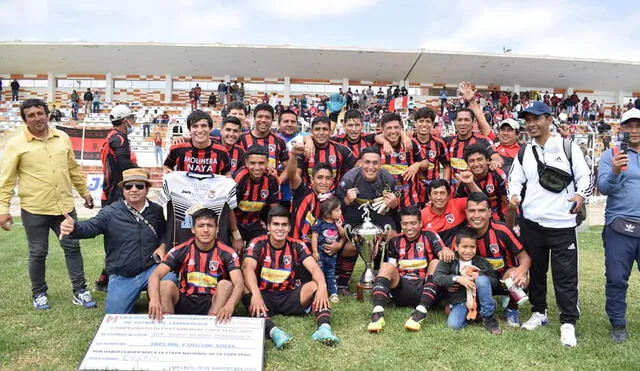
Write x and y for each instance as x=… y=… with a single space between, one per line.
x=368 y=239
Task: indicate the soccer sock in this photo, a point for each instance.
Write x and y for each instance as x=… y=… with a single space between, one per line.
x=380 y=291
x=429 y=292
x=346 y=264
x=323 y=316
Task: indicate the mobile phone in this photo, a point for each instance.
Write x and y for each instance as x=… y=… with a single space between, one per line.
x=573 y=206
x=624 y=138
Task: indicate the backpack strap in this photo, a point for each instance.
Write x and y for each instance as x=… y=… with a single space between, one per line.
x=521 y=153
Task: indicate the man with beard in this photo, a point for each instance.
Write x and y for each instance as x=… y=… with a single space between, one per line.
x=499 y=245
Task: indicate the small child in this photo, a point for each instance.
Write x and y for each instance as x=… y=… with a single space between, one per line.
x=481 y=281
x=327 y=230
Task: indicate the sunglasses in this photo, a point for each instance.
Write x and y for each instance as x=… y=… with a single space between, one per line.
x=139 y=186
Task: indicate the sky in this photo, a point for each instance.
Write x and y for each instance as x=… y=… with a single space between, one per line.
x=562 y=28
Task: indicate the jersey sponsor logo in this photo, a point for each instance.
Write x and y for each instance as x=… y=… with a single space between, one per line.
x=200 y=165
x=419 y=247
x=310 y=218
x=412 y=264
x=201 y=279
x=458 y=163
x=213 y=265
x=274 y=275
x=494 y=248
x=496 y=263
x=450 y=218
x=264 y=193
x=490 y=188
x=250 y=206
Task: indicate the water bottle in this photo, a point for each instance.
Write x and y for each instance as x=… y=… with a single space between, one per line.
x=516 y=292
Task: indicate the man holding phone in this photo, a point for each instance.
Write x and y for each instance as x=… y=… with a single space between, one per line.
x=618 y=177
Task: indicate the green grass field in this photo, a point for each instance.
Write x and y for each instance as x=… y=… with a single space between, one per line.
x=57 y=339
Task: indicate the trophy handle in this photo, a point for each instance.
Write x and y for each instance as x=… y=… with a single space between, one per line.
x=347 y=234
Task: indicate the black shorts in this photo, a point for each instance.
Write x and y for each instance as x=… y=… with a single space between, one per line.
x=408 y=292
x=193 y=304
x=284 y=302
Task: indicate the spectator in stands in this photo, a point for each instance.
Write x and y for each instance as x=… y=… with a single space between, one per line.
x=96 y=102
x=43 y=161
x=157 y=144
x=74 y=110
x=197 y=92
x=601 y=111
x=15 y=89
x=241 y=92
x=146 y=123
x=75 y=97
x=636 y=104
x=222 y=91
x=1 y=97
x=88 y=101
x=335 y=105
x=629 y=105
x=164 y=118
x=211 y=102
x=55 y=115
x=192 y=99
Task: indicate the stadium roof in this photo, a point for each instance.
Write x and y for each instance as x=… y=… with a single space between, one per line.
x=318 y=63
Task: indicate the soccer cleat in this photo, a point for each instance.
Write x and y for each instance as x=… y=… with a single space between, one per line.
x=492 y=325
x=325 y=335
x=83 y=297
x=334 y=298
x=40 y=301
x=536 y=320
x=415 y=321
x=279 y=338
x=512 y=316
x=377 y=322
x=619 y=334
x=568 y=335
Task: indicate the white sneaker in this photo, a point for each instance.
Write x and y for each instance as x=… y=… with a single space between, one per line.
x=568 y=335
x=536 y=320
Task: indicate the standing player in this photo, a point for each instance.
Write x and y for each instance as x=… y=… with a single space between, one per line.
x=433 y=148
x=269 y=269
x=212 y=285
x=406 y=275
x=229 y=134
x=287 y=127
x=255 y=189
x=353 y=137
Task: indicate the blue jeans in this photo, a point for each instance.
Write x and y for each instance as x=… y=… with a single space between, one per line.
x=458 y=317
x=328 y=266
x=620 y=251
x=96 y=107
x=123 y=292
x=159 y=155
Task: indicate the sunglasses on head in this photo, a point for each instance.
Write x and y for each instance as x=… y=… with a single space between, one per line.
x=139 y=186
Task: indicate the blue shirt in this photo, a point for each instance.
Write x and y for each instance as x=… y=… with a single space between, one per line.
x=327 y=233
x=621 y=189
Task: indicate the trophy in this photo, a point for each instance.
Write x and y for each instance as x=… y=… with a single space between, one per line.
x=368 y=239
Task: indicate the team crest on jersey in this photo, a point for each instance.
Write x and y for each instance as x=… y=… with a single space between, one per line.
x=234 y=162
x=213 y=265
x=450 y=218
x=419 y=247
x=264 y=193
x=432 y=153
x=332 y=159
x=272 y=147
x=286 y=259
x=401 y=156
x=494 y=248
x=490 y=188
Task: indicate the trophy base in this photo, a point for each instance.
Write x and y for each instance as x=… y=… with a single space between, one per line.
x=364 y=291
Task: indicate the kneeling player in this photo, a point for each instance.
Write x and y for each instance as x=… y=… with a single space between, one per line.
x=210 y=278
x=406 y=274
x=269 y=267
x=480 y=282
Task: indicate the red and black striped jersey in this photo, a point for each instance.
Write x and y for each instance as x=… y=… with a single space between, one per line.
x=366 y=140
x=339 y=157
x=447 y=223
x=494 y=185
x=274 y=144
x=412 y=257
x=213 y=159
x=305 y=209
x=254 y=195
x=396 y=164
x=500 y=246
x=236 y=154
x=276 y=268
x=436 y=153
x=508 y=153
x=456 y=150
x=200 y=271
x=116 y=157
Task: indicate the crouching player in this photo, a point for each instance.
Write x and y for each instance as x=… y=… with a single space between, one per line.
x=479 y=282
x=406 y=275
x=210 y=278
x=269 y=267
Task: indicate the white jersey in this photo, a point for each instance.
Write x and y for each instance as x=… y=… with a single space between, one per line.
x=185 y=193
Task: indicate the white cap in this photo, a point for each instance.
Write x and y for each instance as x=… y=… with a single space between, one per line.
x=513 y=124
x=119 y=112
x=633 y=113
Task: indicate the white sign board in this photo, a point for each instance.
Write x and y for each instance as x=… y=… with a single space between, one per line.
x=179 y=342
x=94 y=183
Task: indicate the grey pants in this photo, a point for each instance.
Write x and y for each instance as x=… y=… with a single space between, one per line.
x=37 y=229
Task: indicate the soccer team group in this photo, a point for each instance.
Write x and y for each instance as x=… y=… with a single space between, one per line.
x=259 y=217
